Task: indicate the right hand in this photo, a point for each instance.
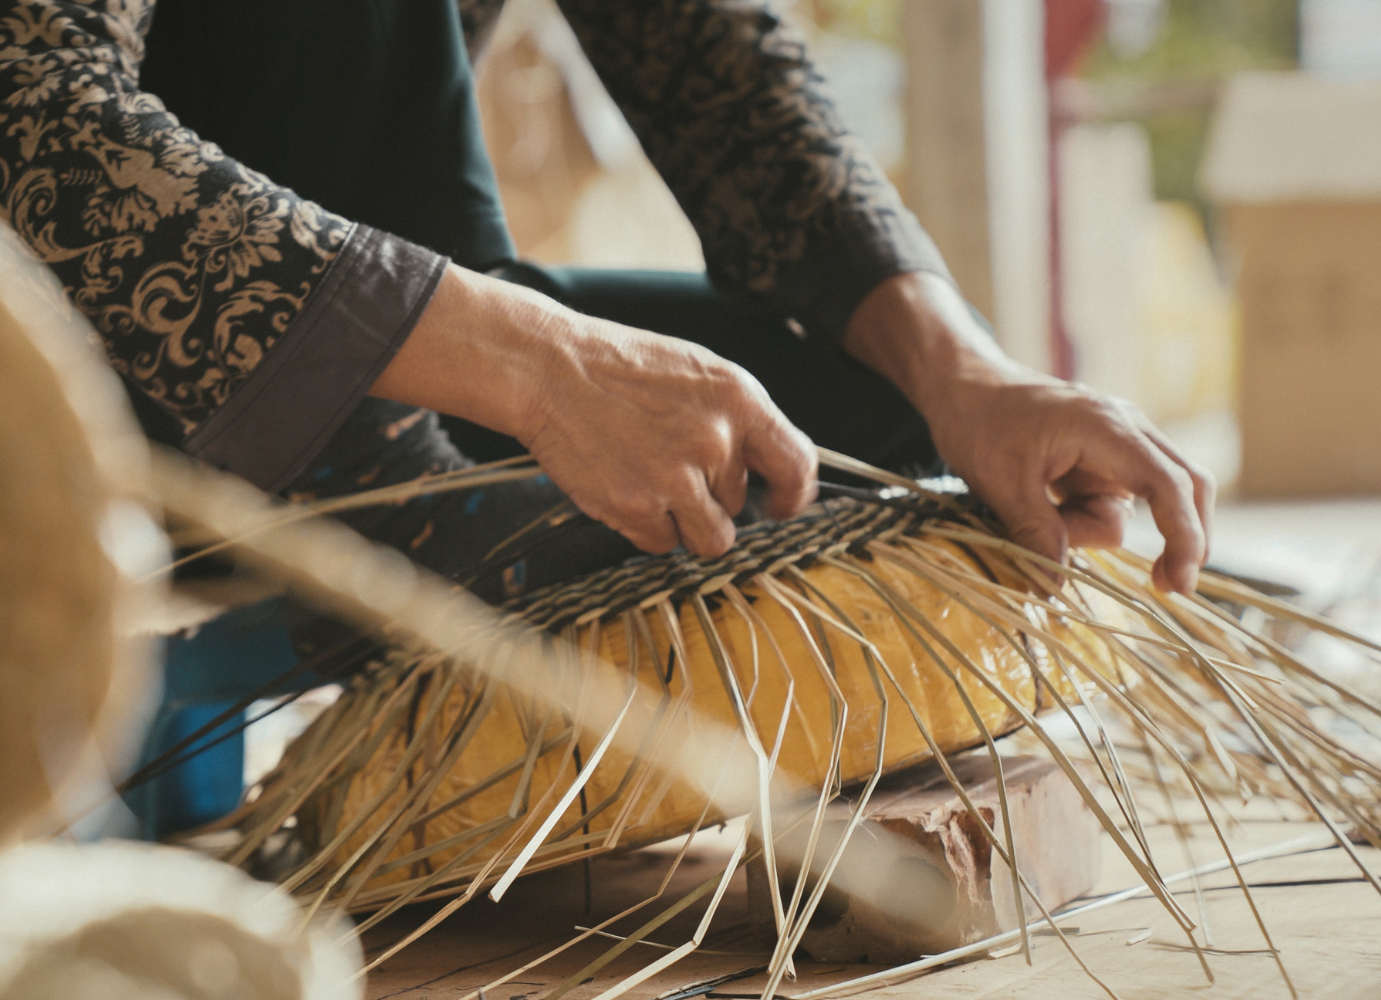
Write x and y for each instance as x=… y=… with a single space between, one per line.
x=651 y=435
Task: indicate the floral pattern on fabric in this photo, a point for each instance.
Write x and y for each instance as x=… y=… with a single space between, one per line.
x=729 y=108
x=190 y=265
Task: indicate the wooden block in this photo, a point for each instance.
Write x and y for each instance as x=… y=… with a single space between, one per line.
x=939 y=884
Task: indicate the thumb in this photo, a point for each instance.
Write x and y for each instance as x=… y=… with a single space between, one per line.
x=785 y=457
x=1033 y=522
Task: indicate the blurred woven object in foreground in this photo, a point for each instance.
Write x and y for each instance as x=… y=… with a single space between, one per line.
x=75 y=679
x=79 y=589
x=124 y=921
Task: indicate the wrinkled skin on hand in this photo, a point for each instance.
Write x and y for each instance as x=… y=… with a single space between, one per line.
x=655 y=437
x=651 y=435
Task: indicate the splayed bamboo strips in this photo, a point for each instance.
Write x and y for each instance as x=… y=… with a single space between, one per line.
x=1005 y=850
x=857 y=603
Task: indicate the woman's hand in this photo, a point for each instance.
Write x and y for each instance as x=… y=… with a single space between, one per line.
x=1057 y=462
x=651 y=435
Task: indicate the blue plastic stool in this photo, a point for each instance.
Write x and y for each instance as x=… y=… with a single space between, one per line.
x=227 y=660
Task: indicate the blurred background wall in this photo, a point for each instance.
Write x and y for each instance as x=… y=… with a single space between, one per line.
x=1176 y=201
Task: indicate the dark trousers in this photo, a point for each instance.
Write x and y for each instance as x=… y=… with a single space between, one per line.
x=838 y=402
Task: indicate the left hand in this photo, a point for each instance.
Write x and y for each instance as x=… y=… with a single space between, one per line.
x=1057 y=462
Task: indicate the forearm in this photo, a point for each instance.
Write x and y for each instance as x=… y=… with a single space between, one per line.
x=652 y=435
x=480 y=351
x=917 y=330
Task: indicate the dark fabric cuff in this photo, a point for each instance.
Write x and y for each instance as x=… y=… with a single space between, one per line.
x=843 y=265
x=325 y=361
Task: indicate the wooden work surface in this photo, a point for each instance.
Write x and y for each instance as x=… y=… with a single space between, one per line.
x=1327 y=931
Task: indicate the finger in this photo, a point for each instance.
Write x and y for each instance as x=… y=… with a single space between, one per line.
x=655 y=534
x=1135 y=462
x=1080 y=482
x=784 y=457
x=705 y=527
x=1031 y=520
x=1097 y=520
x=1205 y=485
x=730 y=487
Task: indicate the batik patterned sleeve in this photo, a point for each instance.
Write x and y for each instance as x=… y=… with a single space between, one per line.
x=252 y=317
x=724 y=98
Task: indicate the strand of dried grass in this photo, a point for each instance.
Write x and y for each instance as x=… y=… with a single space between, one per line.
x=1188 y=927
x=1005 y=850
x=204 y=543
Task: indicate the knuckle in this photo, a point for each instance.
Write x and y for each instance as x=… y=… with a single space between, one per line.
x=1172 y=481
x=1183 y=482
x=1106 y=409
x=747 y=392
x=1094 y=406
x=728 y=377
x=741 y=378
x=718 y=442
x=1202 y=476
x=684 y=483
x=1128 y=409
x=1111 y=410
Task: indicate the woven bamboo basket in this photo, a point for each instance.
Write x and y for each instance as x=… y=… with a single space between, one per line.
x=786 y=637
